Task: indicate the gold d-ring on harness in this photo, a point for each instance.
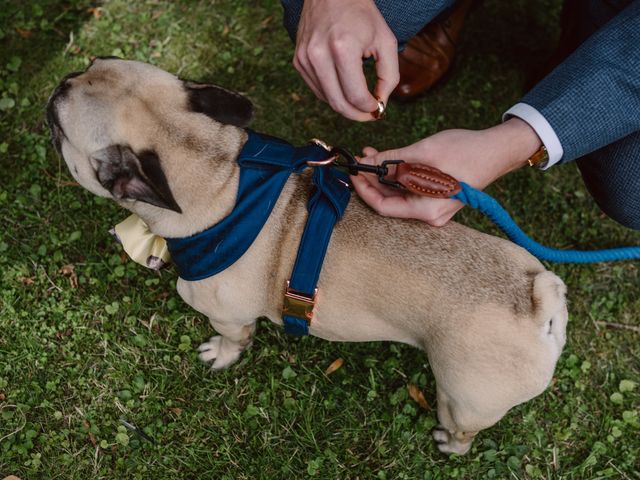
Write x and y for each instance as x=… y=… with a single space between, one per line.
x=322 y=163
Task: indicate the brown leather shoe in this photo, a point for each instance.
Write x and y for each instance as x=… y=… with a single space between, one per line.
x=429 y=55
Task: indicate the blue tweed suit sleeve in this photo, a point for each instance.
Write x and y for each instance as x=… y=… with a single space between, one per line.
x=592 y=99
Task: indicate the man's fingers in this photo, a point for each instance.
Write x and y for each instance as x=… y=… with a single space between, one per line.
x=387 y=69
x=439 y=211
x=395 y=154
x=391 y=206
x=373 y=157
x=372 y=180
x=443 y=219
x=302 y=65
x=352 y=79
x=325 y=71
x=394 y=203
x=369 y=151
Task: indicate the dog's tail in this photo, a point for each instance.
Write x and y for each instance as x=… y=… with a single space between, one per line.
x=549 y=307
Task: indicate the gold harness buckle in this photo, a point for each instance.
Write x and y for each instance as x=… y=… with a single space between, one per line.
x=298 y=304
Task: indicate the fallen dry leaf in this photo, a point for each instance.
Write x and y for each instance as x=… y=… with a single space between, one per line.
x=69 y=271
x=24 y=33
x=266 y=21
x=162 y=295
x=28 y=281
x=95 y=11
x=90 y=436
x=295 y=97
x=176 y=410
x=2 y=396
x=416 y=394
x=337 y=363
x=66 y=333
x=11 y=477
x=68 y=183
x=225 y=30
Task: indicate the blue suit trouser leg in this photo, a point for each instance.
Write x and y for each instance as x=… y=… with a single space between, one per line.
x=612 y=176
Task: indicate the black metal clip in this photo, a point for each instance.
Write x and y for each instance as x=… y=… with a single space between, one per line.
x=354 y=167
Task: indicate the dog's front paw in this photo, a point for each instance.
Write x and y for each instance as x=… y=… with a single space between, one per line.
x=222 y=351
x=448 y=443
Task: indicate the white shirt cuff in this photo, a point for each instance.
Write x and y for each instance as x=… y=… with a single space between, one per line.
x=542 y=128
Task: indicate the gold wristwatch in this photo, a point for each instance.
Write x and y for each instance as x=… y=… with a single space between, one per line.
x=539 y=158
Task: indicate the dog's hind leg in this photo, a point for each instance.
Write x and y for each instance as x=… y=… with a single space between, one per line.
x=225 y=349
x=495 y=360
x=451 y=435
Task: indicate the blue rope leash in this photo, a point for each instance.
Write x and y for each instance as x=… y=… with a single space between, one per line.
x=486 y=204
x=498 y=215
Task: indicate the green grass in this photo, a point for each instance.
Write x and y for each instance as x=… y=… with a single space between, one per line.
x=74 y=361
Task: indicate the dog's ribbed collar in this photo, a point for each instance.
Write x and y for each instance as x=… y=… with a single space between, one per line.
x=265 y=165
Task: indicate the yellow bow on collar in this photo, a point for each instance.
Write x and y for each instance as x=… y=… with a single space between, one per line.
x=141 y=244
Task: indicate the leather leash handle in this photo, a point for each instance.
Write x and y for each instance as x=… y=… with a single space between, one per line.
x=426 y=181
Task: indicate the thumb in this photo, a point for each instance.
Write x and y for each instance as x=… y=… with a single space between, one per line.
x=395 y=154
x=387 y=69
x=369 y=151
x=373 y=157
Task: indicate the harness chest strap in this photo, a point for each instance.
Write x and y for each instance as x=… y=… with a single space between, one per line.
x=326 y=206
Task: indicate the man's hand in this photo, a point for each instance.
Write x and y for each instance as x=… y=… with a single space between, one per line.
x=333 y=38
x=474 y=157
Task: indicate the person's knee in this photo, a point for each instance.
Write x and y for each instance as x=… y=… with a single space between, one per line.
x=612 y=176
x=624 y=211
x=619 y=201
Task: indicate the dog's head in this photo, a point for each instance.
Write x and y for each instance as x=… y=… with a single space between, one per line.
x=121 y=125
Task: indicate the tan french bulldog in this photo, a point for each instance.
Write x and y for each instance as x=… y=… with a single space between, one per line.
x=489 y=316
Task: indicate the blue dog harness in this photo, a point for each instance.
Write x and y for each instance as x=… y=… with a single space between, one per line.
x=265 y=165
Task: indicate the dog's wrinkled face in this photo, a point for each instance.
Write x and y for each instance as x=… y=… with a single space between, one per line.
x=110 y=123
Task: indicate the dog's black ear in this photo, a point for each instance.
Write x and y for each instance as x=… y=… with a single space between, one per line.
x=222 y=105
x=131 y=176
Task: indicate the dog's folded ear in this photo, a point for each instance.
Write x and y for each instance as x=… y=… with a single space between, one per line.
x=131 y=176
x=222 y=105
